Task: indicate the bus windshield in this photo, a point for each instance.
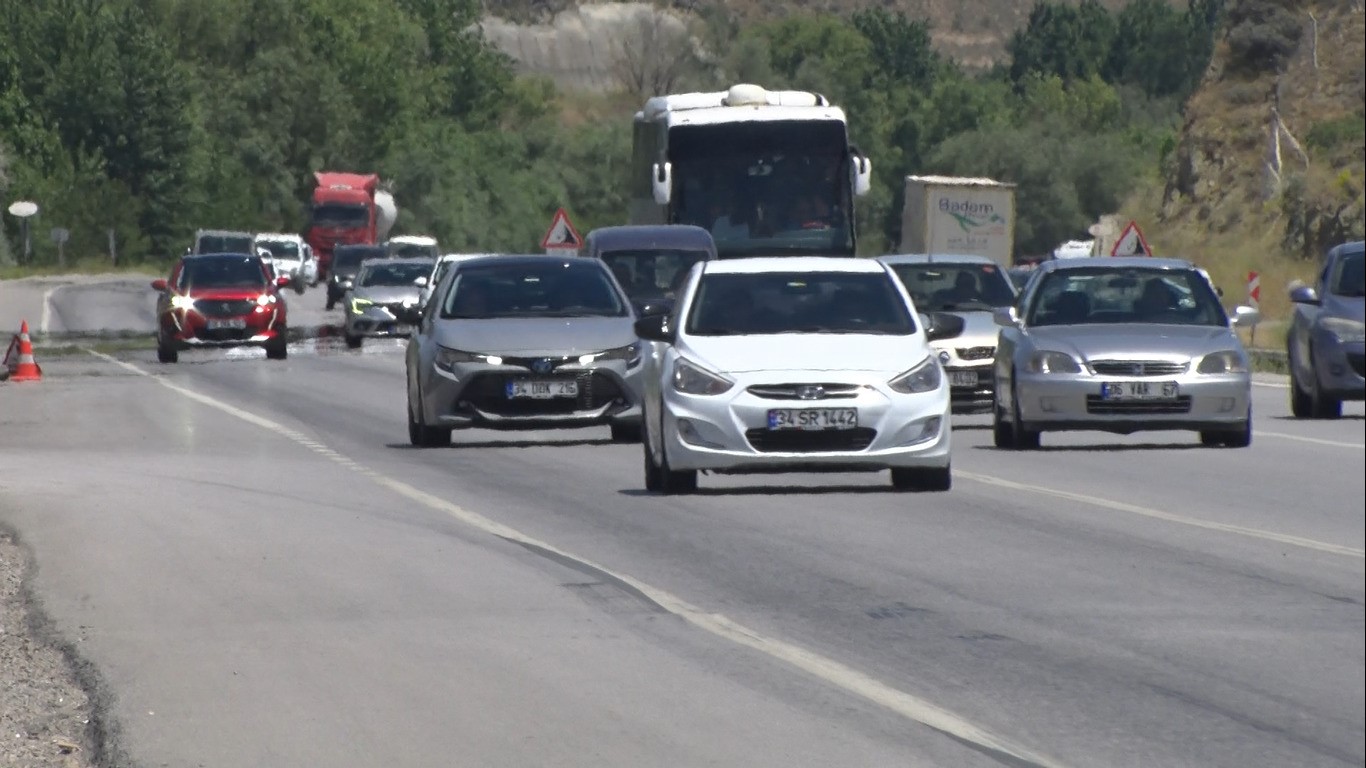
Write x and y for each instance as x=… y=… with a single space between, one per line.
x=765 y=187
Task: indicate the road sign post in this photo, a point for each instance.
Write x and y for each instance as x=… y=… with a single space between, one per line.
x=1254 y=300
x=60 y=236
x=1131 y=242
x=561 y=237
x=23 y=210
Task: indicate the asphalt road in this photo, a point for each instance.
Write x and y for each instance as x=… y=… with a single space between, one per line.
x=264 y=573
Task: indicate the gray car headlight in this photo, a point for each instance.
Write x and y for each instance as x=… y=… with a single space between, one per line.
x=630 y=353
x=925 y=377
x=1045 y=361
x=1346 y=330
x=691 y=379
x=447 y=358
x=1227 y=361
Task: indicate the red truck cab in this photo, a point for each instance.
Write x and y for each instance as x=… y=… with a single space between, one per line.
x=347 y=209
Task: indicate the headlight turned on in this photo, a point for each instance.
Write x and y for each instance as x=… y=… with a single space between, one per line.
x=1348 y=331
x=1227 y=361
x=630 y=353
x=182 y=302
x=1053 y=362
x=925 y=377
x=692 y=379
x=447 y=358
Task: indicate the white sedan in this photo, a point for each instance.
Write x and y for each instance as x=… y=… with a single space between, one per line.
x=792 y=364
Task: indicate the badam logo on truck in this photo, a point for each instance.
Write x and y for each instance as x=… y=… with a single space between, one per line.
x=976 y=219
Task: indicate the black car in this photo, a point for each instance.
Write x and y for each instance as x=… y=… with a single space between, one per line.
x=650 y=260
x=346 y=261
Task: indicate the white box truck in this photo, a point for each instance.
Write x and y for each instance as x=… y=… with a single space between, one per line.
x=945 y=214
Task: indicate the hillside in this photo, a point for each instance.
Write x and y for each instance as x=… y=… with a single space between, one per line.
x=571 y=41
x=1269 y=167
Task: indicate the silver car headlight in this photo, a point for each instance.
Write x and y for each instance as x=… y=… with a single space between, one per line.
x=1346 y=330
x=1227 y=361
x=630 y=353
x=692 y=379
x=925 y=377
x=447 y=358
x=1046 y=361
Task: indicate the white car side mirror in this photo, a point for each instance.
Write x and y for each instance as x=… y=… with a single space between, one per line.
x=1246 y=316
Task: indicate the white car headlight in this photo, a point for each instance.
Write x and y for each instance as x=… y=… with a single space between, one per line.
x=265 y=299
x=1227 y=361
x=691 y=379
x=630 y=353
x=1348 y=331
x=447 y=358
x=1045 y=361
x=182 y=302
x=925 y=377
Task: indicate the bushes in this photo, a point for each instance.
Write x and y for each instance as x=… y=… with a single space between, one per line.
x=1262 y=34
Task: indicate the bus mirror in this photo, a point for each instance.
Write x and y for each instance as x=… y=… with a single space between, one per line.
x=863 y=174
x=661 y=179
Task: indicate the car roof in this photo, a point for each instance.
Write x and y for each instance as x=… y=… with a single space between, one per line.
x=935 y=258
x=412 y=240
x=278 y=236
x=358 y=247
x=1354 y=246
x=403 y=260
x=464 y=256
x=514 y=259
x=762 y=264
x=651 y=235
x=1117 y=262
x=222 y=232
x=223 y=255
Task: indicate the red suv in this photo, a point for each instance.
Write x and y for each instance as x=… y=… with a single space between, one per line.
x=221 y=300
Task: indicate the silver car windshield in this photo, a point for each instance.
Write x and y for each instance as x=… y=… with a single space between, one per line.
x=578 y=288
x=798 y=302
x=956 y=287
x=1106 y=295
x=1349 y=278
x=393 y=274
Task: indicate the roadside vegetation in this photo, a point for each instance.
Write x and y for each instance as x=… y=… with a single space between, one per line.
x=149 y=118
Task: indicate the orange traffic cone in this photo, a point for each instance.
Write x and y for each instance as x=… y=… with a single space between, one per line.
x=25 y=368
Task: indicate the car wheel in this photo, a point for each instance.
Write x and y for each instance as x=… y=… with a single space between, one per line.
x=1001 y=432
x=673 y=482
x=422 y=436
x=354 y=342
x=1022 y=439
x=1301 y=402
x=167 y=353
x=922 y=478
x=278 y=347
x=626 y=433
x=654 y=481
x=331 y=302
x=1321 y=406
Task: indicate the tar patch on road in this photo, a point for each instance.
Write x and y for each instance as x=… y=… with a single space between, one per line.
x=605 y=591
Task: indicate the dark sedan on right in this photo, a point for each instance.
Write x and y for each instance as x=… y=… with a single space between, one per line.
x=1326 y=344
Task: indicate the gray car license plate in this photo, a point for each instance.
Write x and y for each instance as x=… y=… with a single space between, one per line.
x=1139 y=390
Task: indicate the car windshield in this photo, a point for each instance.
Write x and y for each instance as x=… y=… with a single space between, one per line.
x=225 y=244
x=223 y=272
x=651 y=273
x=337 y=215
x=350 y=258
x=577 y=288
x=413 y=251
x=393 y=274
x=956 y=287
x=1349 y=278
x=1108 y=295
x=798 y=302
x=281 y=249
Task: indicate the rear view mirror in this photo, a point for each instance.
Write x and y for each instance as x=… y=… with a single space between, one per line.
x=421 y=280
x=862 y=169
x=941 y=325
x=1246 y=316
x=282 y=280
x=661 y=181
x=655 y=328
x=1005 y=317
x=159 y=284
x=656 y=307
x=1303 y=294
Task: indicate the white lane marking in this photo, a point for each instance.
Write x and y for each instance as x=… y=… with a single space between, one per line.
x=840 y=675
x=1314 y=440
x=1157 y=514
x=47 y=309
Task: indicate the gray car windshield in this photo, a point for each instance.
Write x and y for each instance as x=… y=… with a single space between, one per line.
x=225 y=244
x=1106 y=295
x=393 y=274
x=350 y=258
x=578 y=288
x=413 y=251
x=1349 y=278
x=651 y=273
x=798 y=302
x=223 y=272
x=956 y=287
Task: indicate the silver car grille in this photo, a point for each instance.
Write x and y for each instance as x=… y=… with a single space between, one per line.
x=975 y=353
x=805 y=391
x=1138 y=367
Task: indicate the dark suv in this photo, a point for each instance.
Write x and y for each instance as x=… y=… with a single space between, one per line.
x=346 y=261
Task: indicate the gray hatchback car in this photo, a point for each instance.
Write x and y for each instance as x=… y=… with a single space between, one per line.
x=1326 y=345
x=524 y=342
x=384 y=299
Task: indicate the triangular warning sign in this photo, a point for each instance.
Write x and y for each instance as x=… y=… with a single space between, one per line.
x=561 y=234
x=1131 y=242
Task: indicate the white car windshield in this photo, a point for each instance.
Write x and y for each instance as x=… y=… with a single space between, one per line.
x=1107 y=295
x=798 y=302
x=393 y=274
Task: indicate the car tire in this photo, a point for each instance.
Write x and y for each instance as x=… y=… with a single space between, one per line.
x=167 y=353
x=932 y=479
x=1021 y=439
x=422 y=436
x=654 y=481
x=354 y=342
x=1321 y=406
x=671 y=482
x=1301 y=402
x=278 y=347
x=331 y=302
x=1002 y=434
x=1233 y=438
x=626 y=433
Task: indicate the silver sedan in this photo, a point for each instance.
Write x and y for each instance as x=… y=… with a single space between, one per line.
x=524 y=342
x=1121 y=345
